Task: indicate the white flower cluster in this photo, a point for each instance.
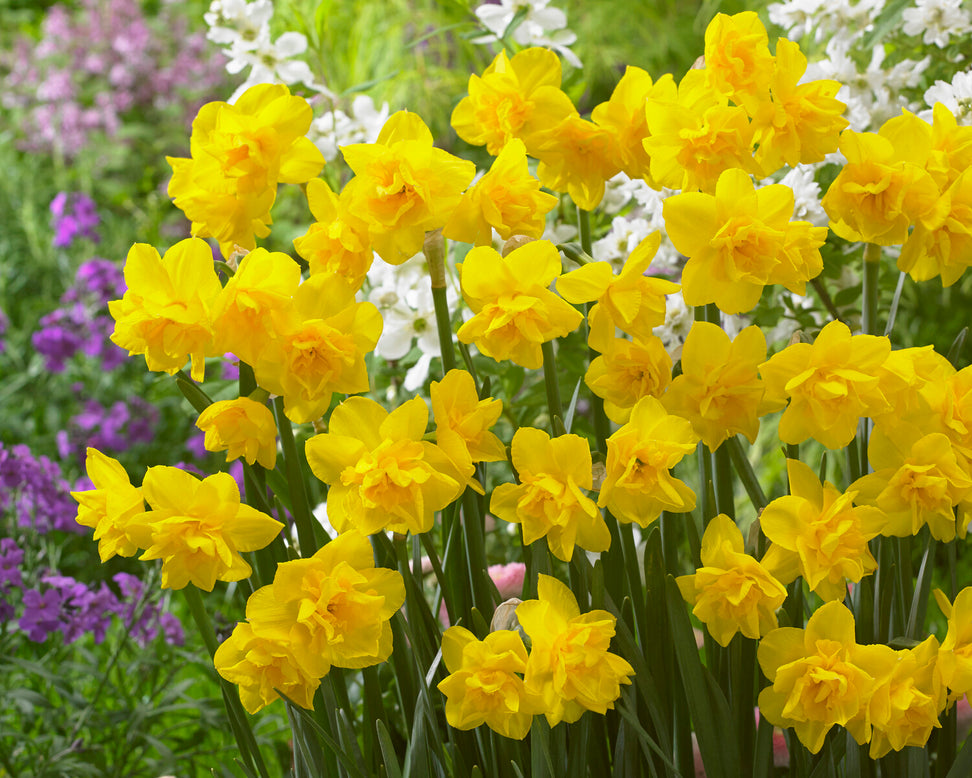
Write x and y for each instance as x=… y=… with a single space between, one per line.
x=243 y=29
x=936 y=21
x=403 y=294
x=537 y=25
x=335 y=128
x=873 y=93
x=956 y=96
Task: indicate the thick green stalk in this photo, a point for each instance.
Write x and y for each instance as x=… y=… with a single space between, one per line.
x=872 y=268
x=295 y=480
x=602 y=429
x=474 y=535
x=554 y=406
x=435 y=254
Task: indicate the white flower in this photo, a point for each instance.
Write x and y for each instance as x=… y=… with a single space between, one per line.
x=957 y=96
x=403 y=294
x=238 y=23
x=872 y=95
x=539 y=26
x=273 y=63
x=623 y=238
x=560 y=232
x=796 y=17
x=652 y=201
x=335 y=128
x=806 y=195
x=678 y=322
x=936 y=21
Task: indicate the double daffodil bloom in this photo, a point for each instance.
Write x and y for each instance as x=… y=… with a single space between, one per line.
x=382 y=474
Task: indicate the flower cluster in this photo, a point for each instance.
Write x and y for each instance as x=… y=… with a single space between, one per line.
x=709 y=147
x=568 y=670
x=333 y=608
x=527 y=23
x=96 y=62
x=73 y=215
x=82 y=323
x=820 y=677
x=63 y=604
x=244 y=29
x=197 y=528
x=34 y=491
x=239 y=153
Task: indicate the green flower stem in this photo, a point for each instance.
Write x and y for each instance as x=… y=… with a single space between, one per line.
x=742 y=657
x=602 y=429
x=239 y=723
x=295 y=480
x=435 y=254
x=554 y=406
x=884 y=588
x=723 y=485
x=474 y=536
x=584 y=231
x=872 y=268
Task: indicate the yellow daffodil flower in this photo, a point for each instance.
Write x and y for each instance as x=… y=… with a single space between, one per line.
x=638 y=484
x=331 y=609
x=821 y=677
x=320 y=349
x=830 y=385
x=719 y=390
x=818 y=533
x=337 y=241
x=239 y=153
x=695 y=135
x=250 y=310
x=515 y=310
x=514 y=98
x=403 y=186
x=802 y=123
x=570 y=666
x=110 y=506
x=166 y=311
x=242 y=428
x=631 y=301
x=260 y=666
x=198 y=528
x=506 y=199
x=382 y=474
x=484 y=685
x=955 y=653
x=550 y=500
x=740 y=240
x=884 y=189
x=627 y=371
x=731 y=592
x=917 y=480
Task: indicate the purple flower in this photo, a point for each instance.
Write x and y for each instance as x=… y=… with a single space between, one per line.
x=11 y=557
x=42 y=614
x=74 y=215
x=116 y=429
x=172 y=629
x=36 y=491
x=60 y=337
x=83 y=74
